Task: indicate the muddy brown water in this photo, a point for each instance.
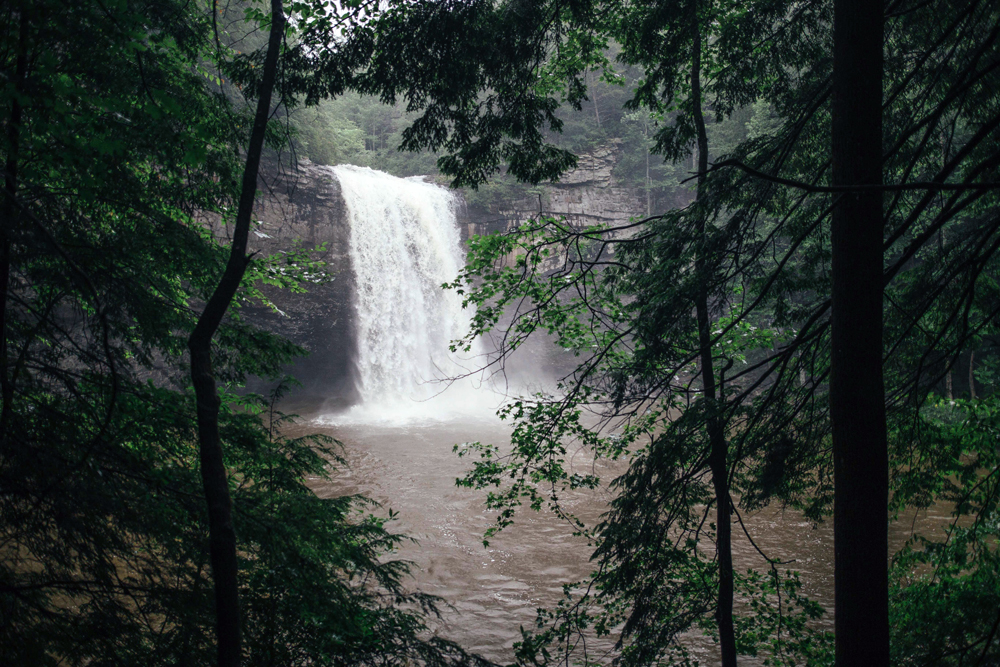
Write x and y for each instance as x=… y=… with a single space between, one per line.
x=492 y=591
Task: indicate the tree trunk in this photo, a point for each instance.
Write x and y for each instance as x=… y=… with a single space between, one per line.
x=972 y=377
x=857 y=394
x=716 y=429
x=222 y=535
x=9 y=224
x=649 y=183
x=597 y=112
x=949 y=392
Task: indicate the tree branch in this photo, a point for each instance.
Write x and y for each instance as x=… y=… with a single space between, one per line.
x=834 y=189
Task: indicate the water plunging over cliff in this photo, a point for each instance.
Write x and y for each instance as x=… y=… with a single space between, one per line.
x=404 y=244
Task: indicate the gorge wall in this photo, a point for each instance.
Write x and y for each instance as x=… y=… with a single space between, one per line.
x=306 y=206
x=586 y=196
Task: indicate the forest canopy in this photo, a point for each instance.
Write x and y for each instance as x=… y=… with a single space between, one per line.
x=124 y=151
x=804 y=314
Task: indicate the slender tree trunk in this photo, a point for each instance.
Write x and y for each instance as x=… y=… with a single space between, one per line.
x=222 y=535
x=9 y=224
x=649 y=184
x=857 y=393
x=716 y=429
x=972 y=377
x=944 y=160
x=597 y=112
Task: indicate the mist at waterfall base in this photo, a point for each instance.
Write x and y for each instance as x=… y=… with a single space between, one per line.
x=404 y=245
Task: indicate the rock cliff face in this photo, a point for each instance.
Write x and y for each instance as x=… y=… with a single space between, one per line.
x=305 y=205
x=585 y=196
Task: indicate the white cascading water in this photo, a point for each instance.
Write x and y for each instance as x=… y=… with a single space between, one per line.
x=404 y=245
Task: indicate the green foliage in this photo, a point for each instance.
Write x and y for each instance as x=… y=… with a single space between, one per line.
x=122 y=162
x=778 y=625
x=325 y=136
x=120 y=544
x=121 y=140
x=654 y=582
x=622 y=300
x=536 y=463
x=483 y=93
x=946 y=586
x=319 y=586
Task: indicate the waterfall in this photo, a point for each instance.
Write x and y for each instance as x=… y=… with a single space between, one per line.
x=404 y=245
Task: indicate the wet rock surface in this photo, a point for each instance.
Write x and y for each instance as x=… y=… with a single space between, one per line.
x=304 y=208
x=586 y=196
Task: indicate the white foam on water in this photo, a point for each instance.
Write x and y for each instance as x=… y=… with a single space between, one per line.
x=404 y=245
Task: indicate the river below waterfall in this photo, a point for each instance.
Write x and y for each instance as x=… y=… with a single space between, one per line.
x=398 y=441
x=494 y=590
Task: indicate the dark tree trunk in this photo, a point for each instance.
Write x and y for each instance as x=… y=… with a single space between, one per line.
x=222 y=535
x=857 y=394
x=717 y=459
x=949 y=393
x=597 y=111
x=10 y=223
x=972 y=376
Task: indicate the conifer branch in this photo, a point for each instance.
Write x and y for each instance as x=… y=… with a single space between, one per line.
x=836 y=189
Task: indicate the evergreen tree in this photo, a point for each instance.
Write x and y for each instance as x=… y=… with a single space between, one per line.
x=768 y=210
x=123 y=160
